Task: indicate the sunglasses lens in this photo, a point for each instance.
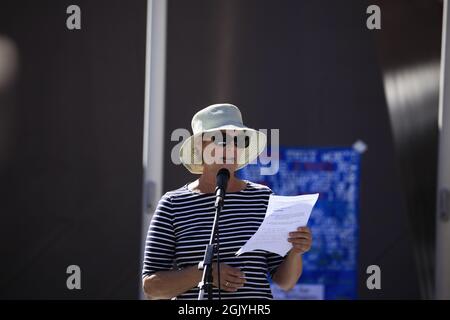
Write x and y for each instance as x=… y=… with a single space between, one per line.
x=241 y=141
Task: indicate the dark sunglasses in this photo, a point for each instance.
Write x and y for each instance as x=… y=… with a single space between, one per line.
x=240 y=141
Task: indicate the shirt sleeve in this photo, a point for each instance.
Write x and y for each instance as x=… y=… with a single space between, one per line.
x=160 y=243
x=273 y=262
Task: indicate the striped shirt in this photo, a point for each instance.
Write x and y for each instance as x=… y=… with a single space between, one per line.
x=181 y=227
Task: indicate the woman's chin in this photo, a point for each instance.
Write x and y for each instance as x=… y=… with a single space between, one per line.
x=217 y=166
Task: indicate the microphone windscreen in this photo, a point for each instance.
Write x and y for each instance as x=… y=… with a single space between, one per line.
x=225 y=172
x=223 y=175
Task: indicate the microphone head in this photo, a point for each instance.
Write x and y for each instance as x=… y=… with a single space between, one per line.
x=223 y=175
x=224 y=172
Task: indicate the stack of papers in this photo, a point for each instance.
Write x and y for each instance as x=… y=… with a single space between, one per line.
x=284 y=214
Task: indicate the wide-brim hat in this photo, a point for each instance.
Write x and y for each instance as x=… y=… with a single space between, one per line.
x=219 y=117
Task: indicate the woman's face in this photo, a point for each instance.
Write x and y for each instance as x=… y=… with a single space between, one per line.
x=221 y=149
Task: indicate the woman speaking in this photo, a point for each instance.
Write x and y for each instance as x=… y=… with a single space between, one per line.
x=182 y=222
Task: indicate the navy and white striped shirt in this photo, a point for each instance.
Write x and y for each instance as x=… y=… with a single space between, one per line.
x=181 y=227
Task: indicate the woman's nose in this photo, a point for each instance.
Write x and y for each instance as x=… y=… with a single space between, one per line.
x=230 y=150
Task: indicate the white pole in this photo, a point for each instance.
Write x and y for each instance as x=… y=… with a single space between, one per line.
x=153 y=144
x=443 y=190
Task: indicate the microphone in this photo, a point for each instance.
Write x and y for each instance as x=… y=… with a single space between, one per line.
x=223 y=175
x=206 y=284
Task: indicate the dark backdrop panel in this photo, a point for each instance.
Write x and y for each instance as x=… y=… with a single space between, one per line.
x=71 y=178
x=308 y=68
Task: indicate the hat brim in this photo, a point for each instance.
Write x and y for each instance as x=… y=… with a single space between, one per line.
x=193 y=161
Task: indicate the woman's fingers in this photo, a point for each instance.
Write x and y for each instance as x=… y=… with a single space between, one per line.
x=303 y=229
x=301 y=245
x=230 y=284
x=234 y=278
x=299 y=241
x=226 y=286
x=299 y=236
x=235 y=272
x=301 y=233
x=231 y=278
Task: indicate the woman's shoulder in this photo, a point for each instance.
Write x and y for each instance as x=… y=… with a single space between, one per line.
x=258 y=187
x=182 y=191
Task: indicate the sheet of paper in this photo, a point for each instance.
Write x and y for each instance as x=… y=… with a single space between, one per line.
x=284 y=214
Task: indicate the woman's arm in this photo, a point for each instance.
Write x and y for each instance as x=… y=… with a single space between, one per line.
x=290 y=270
x=169 y=284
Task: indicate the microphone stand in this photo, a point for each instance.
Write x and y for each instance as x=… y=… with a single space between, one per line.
x=206 y=284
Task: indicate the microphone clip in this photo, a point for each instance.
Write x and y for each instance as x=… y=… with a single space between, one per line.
x=220 y=195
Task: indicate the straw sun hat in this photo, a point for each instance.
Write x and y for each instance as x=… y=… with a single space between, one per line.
x=215 y=118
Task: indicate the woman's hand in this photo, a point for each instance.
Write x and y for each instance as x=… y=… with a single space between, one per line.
x=301 y=240
x=230 y=278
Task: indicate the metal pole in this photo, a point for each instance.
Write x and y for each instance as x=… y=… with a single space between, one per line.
x=443 y=190
x=153 y=144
